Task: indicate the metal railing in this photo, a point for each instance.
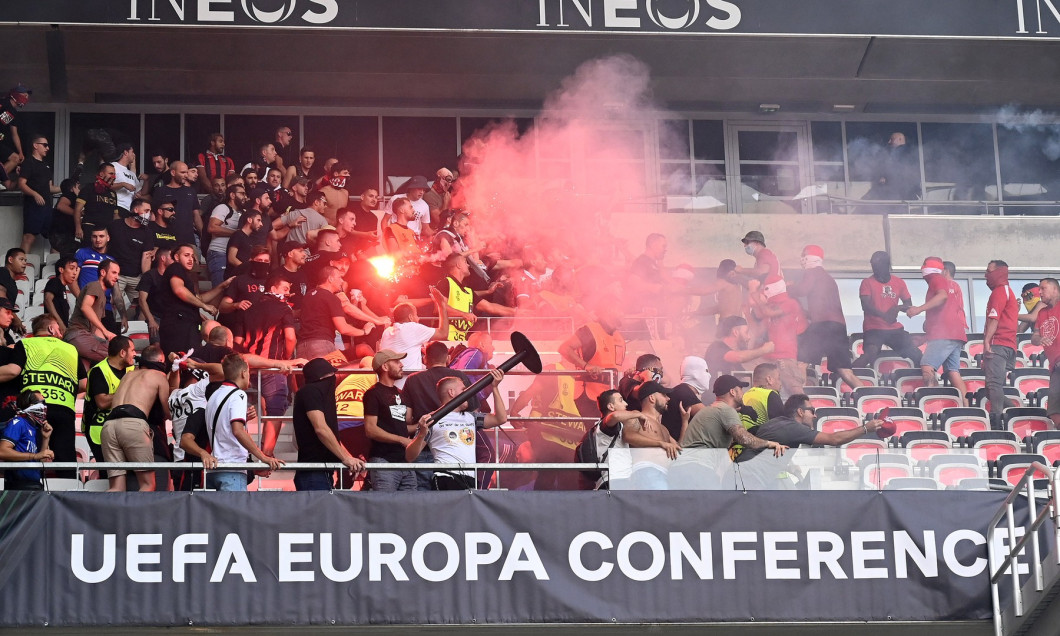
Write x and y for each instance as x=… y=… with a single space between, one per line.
x=842 y=205
x=1036 y=519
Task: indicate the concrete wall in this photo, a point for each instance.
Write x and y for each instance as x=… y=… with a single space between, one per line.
x=702 y=240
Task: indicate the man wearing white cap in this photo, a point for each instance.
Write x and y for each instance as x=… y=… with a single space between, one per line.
x=415 y=188
x=826 y=336
x=785 y=322
x=945 y=323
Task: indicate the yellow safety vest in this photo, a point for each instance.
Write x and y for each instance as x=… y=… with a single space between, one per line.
x=757 y=398
x=461 y=299
x=610 y=352
x=562 y=433
x=95 y=427
x=51 y=369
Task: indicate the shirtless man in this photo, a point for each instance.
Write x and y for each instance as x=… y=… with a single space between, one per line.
x=126 y=435
x=335 y=191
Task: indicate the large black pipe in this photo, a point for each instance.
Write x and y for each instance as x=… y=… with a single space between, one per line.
x=524 y=353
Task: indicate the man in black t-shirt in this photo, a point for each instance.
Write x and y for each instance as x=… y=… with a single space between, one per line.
x=244 y=292
x=388 y=423
x=730 y=352
x=61 y=232
x=10 y=389
x=316 y=428
x=11 y=151
x=132 y=246
x=269 y=332
x=165 y=235
x=35 y=183
x=322 y=315
x=178 y=309
x=188 y=221
x=56 y=302
x=14 y=267
x=242 y=242
x=97 y=205
x=294 y=256
x=151 y=283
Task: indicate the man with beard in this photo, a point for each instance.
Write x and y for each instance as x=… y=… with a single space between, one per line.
x=162 y=176
x=161 y=227
x=87 y=332
x=421 y=218
x=439 y=198
x=731 y=351
x=365 y=232
x=213 y=164
x=999 y=337
x=882 y=297
x=653 y=448
x=188 y=219
x=96 y=206
x=826 y=335
x=293 y=256
x=945 y=325
x=388 y=424
x=224 y=222
x=242 y=243
x=335 y=191
x=247 y=289
x=316 y=428
x=132 y=246
x=292 y=199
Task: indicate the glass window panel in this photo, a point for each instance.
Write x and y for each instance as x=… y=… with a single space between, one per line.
x=417 y=146
x=161 y=131
x=768 y=145
x=827 y=140
x=245 y=134
x=830 y=181
x=710 y=194
x=471 y=125
x=871 y=160
x=623 y=144
x=673 y=139
x=352 y=140
x=197 y=131
x=119 y=128
x=676 y=178
x=708 y=140
x=959 y=162
x=1030 y=164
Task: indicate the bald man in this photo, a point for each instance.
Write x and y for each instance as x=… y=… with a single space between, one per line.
x=187 y=224
x=439 y=197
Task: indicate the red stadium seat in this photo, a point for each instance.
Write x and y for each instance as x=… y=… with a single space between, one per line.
x=1024 y=421
x=1047 y=444
x=866 y=375
x=912 y=483
x=963 y=421
x=1012 y=398
x=931 y=400
x=906 y=418
x=1026 y=348
x=822 y=396
x=923 y=445
x=1028 y=380
x=950 y=469
x=974 y=346
x=989 y=445
x=885 y=365
x=1011 y=468
x=835 y=419
x=974 y=379
x=878 y=470
x=907 y=380
x=855 y=450
x=872 y=399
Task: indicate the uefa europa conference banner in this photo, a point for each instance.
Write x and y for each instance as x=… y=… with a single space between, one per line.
x=492 y=557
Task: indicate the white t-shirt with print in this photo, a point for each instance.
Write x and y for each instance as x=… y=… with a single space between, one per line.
x=452 y=440
x=182 y=403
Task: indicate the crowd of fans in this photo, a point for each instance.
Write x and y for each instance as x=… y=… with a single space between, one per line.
x=284 y=263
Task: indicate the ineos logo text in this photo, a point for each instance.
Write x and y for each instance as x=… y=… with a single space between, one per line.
x=214 y=11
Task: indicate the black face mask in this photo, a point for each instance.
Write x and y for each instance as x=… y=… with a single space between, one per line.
x=154 y=366
x=881 y=267
x=259 y=270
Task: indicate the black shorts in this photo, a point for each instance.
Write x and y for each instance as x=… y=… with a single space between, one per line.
x=825 y=340
x=36 y=219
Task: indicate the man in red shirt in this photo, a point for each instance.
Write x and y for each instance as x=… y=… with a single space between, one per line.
x=826 y=336
x=882 y=297
x=767 y=266
x=944 y=325
x=785 y=322
x=999 y=336
x=1047 y=334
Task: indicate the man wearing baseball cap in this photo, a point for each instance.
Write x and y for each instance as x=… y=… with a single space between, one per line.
x=11 y=152
x=415 y=188
x=316 y=428
x=944 y=324
x=388 y=423
x=652 y=446
x=766 y=266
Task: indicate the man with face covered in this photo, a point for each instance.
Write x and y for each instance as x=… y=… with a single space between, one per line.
x=785 y=322
x=826 y=335
x=246 y=289
x=96 y=206
x=25 y=439
x=11 y=151
x=686 y=396
x=999 y=336
x=316 y=428
x=132 y=246
x=944 y=325
x=882 y=297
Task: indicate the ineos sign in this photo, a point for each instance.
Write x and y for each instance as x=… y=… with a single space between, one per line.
x=224 y=11
x=672 y=15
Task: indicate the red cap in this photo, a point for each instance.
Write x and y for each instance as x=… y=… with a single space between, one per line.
x=887 y=426
x=813 y=250
x=933 y=262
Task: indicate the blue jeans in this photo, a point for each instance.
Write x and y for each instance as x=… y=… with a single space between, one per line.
x=314 y=480
x=392 y=480
x=216 y=262
x=423 y=477
x=227 y=481
x=274 y=393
